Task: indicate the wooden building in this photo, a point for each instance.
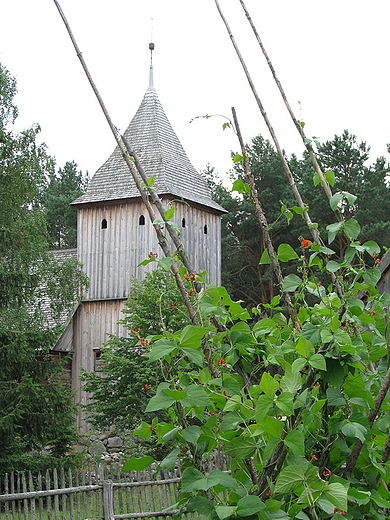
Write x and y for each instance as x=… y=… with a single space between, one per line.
x=115 y=234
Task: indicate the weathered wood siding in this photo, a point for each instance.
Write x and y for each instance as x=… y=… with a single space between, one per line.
x=111 y=254
x=384 y=282
x=93 y=322
x=111 y=245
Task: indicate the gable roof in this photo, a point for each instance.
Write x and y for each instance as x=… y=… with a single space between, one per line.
x=161 y=154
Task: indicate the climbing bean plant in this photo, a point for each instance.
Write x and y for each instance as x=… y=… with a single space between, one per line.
x=300 y=410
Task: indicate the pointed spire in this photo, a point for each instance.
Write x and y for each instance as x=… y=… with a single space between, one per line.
x=151 y=86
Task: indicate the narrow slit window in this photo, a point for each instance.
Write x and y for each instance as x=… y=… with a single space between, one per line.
x=141 y=220
x=183 y=222
x=205 y=229
x=104 y=224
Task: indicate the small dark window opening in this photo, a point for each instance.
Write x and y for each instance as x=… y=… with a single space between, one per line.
x=98 y=362
x=205 y=229
x=104 y=224
x=141 y=220
x=183 y=222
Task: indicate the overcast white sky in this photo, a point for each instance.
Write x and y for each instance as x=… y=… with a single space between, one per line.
x=332 y=58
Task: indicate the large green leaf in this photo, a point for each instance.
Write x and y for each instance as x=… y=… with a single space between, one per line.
x=286 y=253
x=354 y=429
x=372 y=276
x=144 y=430
x=335 y=397
x=193 y=480
x=265 y=258
x=241 y=447
x=295 y=441
x=371 y=247
x=201 y=505
x=332 y=266
x=291 y=283
x=191 y=434
x=192 y=336
x=291 y=382
x=272 y=426
x=304 y=347
x=333 y=229
x=352 y=227
x=169 y=462
x=196 y=397
x=289 y=478
x=340 y=196
x=311 y=332
x=138 y=464
x=218 y=477
x=358 y=496
x=269 y=385
x=317 y=361
x=225 y=511
x=194 y=355
x=161 y=348
x=285 y=403
x=263 y=404
x=249 y=505
x=337 y=494
x=168 y=214
x=159 y=402
x=176 y=395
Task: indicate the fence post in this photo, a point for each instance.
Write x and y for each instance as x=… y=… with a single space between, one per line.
x=108 y=500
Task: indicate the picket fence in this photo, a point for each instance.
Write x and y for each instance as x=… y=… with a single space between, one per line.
x=95 y=493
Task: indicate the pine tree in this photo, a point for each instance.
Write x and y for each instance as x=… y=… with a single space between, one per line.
x=36 y=292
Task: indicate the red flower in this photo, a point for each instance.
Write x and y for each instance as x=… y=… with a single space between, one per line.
x=343 y=513
x=305 y=242
x=146 y=387
x=280 y=416
x=317 y=384
x=378 y=261
x=335 y=510
x=269 y=492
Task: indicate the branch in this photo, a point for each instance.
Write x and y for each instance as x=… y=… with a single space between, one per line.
x=352 y=459
x=264 y=224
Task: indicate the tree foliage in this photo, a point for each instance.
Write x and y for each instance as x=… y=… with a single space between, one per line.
x=347 y=163
x=37 y=292
x=126 y=381
x=61 y=217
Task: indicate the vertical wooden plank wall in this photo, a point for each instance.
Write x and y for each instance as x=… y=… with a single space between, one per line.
x=111 y=245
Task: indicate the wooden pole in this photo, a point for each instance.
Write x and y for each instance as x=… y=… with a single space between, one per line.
x=108 y=500
x=261 y=217
x=312 y=228
x=298 y=126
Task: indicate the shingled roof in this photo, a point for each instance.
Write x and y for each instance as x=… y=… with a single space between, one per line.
x=161 y=154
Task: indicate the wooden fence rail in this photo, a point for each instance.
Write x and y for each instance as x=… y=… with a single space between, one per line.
x=100 y=493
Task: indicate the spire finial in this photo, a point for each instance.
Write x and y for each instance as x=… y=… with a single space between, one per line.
x=151 y=86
